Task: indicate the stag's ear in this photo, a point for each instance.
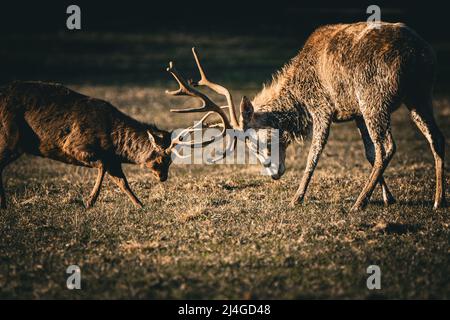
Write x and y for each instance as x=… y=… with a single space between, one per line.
x=151 y=138
x=246 y=109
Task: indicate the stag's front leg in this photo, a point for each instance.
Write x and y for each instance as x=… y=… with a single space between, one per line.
x=321 y=129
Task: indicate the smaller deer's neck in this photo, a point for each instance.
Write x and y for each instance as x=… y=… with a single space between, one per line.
x=131 y=141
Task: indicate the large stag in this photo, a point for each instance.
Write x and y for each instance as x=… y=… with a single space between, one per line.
x=358 y=72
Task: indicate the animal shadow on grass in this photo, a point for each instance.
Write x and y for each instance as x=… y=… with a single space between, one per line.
x=417 y=203
x=409 y=203
x=238 y=186
x=392 y=227
x=218 y=202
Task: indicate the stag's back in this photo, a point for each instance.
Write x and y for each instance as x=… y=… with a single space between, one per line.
x=343 y=65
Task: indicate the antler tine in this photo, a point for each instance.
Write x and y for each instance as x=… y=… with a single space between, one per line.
x=204 y=81
x=172 y=70
x=185 y=88
x=178 y=140
x=230 y=147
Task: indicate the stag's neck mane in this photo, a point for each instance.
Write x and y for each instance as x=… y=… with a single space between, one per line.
x=281 y=100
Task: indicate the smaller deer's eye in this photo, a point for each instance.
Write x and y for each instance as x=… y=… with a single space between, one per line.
x=153 y=155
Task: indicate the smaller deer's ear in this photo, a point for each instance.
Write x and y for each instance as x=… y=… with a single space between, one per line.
x=152 y=139
x=246 y=109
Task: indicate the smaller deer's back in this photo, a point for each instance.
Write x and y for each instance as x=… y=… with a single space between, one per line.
x=53 y=120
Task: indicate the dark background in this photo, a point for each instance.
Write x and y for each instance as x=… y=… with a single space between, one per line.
x=254 y=17
x=117 y=41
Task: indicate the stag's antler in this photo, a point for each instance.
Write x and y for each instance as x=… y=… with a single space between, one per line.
x=204 y=81
x=207 y=106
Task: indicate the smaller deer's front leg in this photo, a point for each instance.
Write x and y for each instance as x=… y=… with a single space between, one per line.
x=96 y=191
x=321 y=129
x=119 y=178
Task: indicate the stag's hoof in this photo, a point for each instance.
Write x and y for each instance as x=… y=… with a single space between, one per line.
x=138 y=205
x=439 y=205
x=294 y=202
x=89 y=204
x=358 y=206
x=389 y=200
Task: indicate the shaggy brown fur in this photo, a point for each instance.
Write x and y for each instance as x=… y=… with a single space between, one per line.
x=353 y=72
x=52 y=121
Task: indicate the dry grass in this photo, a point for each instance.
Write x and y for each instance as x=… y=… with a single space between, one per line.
x=226 y=231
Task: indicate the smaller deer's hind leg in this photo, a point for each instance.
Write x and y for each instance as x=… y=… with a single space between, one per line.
x=5 y=159
x=2 y=189
x=96 y=190
x=321 y=129
x=369 y=148
x=422 y=115
x=117 y=175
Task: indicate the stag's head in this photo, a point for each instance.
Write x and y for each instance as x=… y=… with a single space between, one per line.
x=248 y=119
x=263 y=122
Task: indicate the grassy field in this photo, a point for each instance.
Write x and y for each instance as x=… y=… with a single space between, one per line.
x=225 y=231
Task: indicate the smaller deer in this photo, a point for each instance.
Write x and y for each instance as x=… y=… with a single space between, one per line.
x=52 y=121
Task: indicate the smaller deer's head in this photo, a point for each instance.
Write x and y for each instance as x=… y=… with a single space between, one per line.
x=159 y=159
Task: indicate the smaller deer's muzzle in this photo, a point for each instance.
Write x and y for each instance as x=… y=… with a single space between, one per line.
x=280 y=172
x=163 y=177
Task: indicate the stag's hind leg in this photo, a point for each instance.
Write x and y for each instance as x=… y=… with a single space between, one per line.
x=369 y=148
x=422 y=115
x=380 y=134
